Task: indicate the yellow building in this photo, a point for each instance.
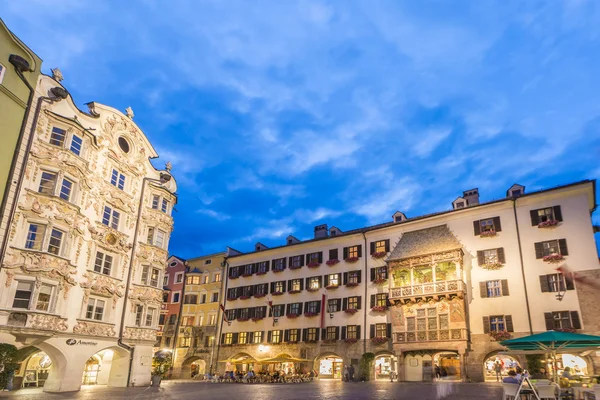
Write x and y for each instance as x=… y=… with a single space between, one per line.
x=200 y=316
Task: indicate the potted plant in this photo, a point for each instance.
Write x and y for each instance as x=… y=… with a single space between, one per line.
x=378 y=254
x=351 y=311
x=379 y=308
x=490 y=233
x=351 y=259
x=499 y=336
x=379 y=340
x=310 y=314
x=548 y=224
x=351 y=340
x=331 y=262
x=313 y=264
x=492 y=266
x=569 y=330
x=553 y=258
x=379 y=281
x=351 y=284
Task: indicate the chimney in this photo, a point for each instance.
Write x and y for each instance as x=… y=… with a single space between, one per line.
x=471 y=196
x=321 y=231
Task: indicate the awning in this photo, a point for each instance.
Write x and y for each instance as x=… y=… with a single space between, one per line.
x=282 y=358
x=240 y=360
x=553 y=341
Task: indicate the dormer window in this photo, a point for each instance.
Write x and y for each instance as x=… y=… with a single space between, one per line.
x=516 y=192
x=460 y=204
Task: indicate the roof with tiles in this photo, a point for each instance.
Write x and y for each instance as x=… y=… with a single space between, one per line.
x=425 y=241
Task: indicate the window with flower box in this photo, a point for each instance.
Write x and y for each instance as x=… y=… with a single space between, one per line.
x=313 y=307
x=294 y=308
x=494 y=288
x=262 y=267
x=333 y=254
x=351 y=332
x=334 y=305
x=311 y=334
x=379 y=273
x=234 y=272
x=248 y=269
x=278 y=287
x=275 y=336
x=314 y=258
x=352 y=303
x=260 y=312
x=352 y=252
x=352 y=278
x=485 y=227
x=332 y=280
x=497 y=323
x=546 y=215
x=279 y=264
x=562 y=320
x=261 y=289
x=277 y=310
x=551 y=248
x=313 y=283
x=491 y=257
x=380 y=247
x=555 y=283
x=295 y=285
x=247 y=291
x=379 y=300
x=243 y=313
x=332 y=333
x=380 y=331
x=296 y=261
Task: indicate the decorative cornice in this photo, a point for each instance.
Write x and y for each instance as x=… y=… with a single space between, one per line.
x=140 y=334
x=94 y=328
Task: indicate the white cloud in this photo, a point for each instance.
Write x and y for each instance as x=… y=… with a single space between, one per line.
x=219 y=216
x=310 y=216
x=429 y=140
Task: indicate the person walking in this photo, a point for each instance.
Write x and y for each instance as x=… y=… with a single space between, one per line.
x=346 y=373
x=498 y=369
x=351 y=371
x=438 y=371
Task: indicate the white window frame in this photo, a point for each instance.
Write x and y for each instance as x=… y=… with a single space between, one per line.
x=212 y=319
x=173 y=297
x=166 y=280
x=111 y=217
x=119 y=177
x=178 y=277
x=113 y=263
x=46 y=237
x=34 y=296
x=212 y=295
x=2 y=72
x=217 y=277
x=146 y=276
x=59 y=182
x=67 y=143
x=153 y=235
x=493 y=288
x=105 y=308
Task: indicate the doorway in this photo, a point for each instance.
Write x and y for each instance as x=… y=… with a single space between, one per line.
x=331 y=368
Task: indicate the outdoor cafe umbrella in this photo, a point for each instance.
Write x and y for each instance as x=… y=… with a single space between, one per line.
x=282 y=358
x=240 y=360
x=553 y=342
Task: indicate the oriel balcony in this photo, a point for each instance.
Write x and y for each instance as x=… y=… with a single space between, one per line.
x=434 y=290
x=439 y=335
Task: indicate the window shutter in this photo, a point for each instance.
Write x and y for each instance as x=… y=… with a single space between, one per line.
x=289 y=284
x=320 y=278
x=317 y=334
x=557 y=213
x=387 y=245
x=345 y=253
x=372 y=247
x=251 y=290
x=307 y=282
x=234 y=338
x=301 y=284
x=480 y=258
x=254 y=268
x=388 y=303
x=251 y=312
x=549 y=321
x=284 y=262
x=269 y=334
x=544 y=283
x=372 y=301
x=337 y=333
x=286 y=335
x=343 y=333
x=508 y=323
x=486 y=324
x=562 y=245
x=326 y=280
x=302 y=260
x=497 y=225
x=501 y=256
x=535 y=220
x=539 y=250
x=505 y=291
x=300 y=308
x=271 y=311
x=222 y=338
x=476 y=228
x=250 y=337
x=333 y=254
x=357 y=331
x=359 y=276
x=372 y=331
x=338 y=304
x=388 y=332
x=344 y=303
x=268 y=265
x=272 y=287
x=320 y=257
x=304 y=334
x=575 y=323
x=373 y=274
x=360 y=250
x=318 y=306
x=345 y=278
x=483 y=290
x=288 y=308
x=359 y=303
x=569 y=283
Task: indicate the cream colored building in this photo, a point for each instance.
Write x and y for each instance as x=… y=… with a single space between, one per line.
x=436 y=289
x=200 y=315
x=81 y=277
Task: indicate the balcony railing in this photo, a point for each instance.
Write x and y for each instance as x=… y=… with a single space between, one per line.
x=431 y=336
x=428 y=290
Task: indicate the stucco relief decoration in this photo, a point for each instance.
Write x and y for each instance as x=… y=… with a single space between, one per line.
x=140 y=334
x=110 y=238
x=146 y=295
x=103 y=285
x=94 y=329
x=152 y=254
x=113 y=128
x=48 y=322
x=40 y=264
x=158 y=219
x=116 y=197
x=64 y=159
x=457 y=313
x=52 y=209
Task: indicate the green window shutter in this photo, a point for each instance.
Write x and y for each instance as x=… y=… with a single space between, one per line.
x=486 y=324
x=476 y=228
x=483 y=290
x=544 y=283
x=535 y=220
x=557 y=213
x=504 y=283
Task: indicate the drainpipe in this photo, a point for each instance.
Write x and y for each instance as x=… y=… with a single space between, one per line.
x=522 y=266
x=164 y=178
x=58 y=94
x=225 y=281
x=366 y=297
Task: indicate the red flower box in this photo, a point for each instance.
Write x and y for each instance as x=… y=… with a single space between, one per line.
x=259 y=295
x=295 y=267
x=569 y=330
x=232 y=298
x=293 y=316
x=332 y=262
x=485 y=234
x=351 y=311
x=351 y=340
x=243 y=319
x=256 y=319
x=553 y=258
x=499 y=336
x=313 y=265
x=548 y=224
x=294 y=291
x=261 y=273
x=234 y=277
x=332 y=286
x=380 y=281
x=276 y=293
x=351 y=284
x=246 y=275
x=313 y=289
x=379 y=254
x=244 y=297
x=351 y=259
x=310 y=314
x=276 y=271
x=329 y=340
x=380 y=340
x=379 y=308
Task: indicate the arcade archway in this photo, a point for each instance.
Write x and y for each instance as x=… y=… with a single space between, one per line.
x=107 y=367
x=385 y=364
x=496 y=366
x=330 y=366
x=192 y=367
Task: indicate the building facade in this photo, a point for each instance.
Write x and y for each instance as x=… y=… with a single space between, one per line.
x=173 y=282
x=200 y=313
x=19 y=72
x=83 y=269
x=441 y=289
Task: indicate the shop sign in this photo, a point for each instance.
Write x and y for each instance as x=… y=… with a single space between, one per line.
x=73 y=342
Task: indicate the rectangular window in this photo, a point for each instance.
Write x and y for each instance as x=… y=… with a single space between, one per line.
x=279 y=287
x=262 y=267
x=150 y=237
x=44 y=297
x=150 y=312
x=215 y=297
x=411 y=325
x=380 y=246
x=164 y=205
x=381 y=330
x=212 y=319
x=165 y=280
x=490 y=256
x=218 y=277
x=95 y=309
x=117 y=179
x=139 y=312
x=205 y=279
x=331 y=333
x=172 y=319
x=486 y=225
x=185 y=342
x=260 y=289
x=494 y=288
x=311 y=334
x=295 y=308
x=353 y=251
x=243 y=338
x=278 y=310
x=334 y=280
x=293 y=335
x=23 y=295
x=229 y=338
x=35 y=237
x=176 y=297
x=381 y=273
x=65 y=189
x=257 y=337
x=76 y=143
x=47 y=183
x=160 y=239
x=103 y=263
x=111 y=217
x=179 y=277
x=550 y=247
x=155 y=202
x=313 y=257
x=203 y=299
x=353 y=303
x=546 y=214
x=55 y=243
x=188 y=321
x=193 y=280
x=57 y=137
x=207 y=262
x=279 y=264
x=296 y=284
x=556 y=283
x=562 y=320
x=313 y=307
x=296 y=261
x=276 y=336
x=381 y=299
x=353 y=277
x=190 y=299
x=314 y=282
x=497 y=323
x=351 y=332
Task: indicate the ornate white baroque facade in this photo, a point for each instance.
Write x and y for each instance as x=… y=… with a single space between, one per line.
x=81 y=277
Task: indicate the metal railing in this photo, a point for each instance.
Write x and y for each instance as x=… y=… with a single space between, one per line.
x=431 y=336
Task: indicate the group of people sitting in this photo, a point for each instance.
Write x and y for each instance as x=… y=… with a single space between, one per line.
x=278 y=376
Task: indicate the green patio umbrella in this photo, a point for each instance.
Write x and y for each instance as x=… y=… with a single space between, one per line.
x=553 y=342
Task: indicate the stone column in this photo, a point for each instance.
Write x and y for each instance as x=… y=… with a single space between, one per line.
x=400 y=369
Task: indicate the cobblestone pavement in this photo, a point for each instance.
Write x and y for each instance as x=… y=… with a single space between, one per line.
x=329 y=390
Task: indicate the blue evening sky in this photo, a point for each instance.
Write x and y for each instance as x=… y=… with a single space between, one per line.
x=281 y=115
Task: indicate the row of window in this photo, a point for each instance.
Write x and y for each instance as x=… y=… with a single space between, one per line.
x=187 y=341
x=197 y=280
x=548 y=283
x=298 y=335
x=542 y=249
x=193 y=298
x=538 y=216
x=296 y=285
x=188 y=320
x=555 y=320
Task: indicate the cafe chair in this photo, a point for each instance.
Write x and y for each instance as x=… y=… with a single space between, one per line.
x=548 y=391
x=511 y=390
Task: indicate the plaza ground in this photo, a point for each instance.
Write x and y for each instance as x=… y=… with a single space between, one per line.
x=330 y=390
